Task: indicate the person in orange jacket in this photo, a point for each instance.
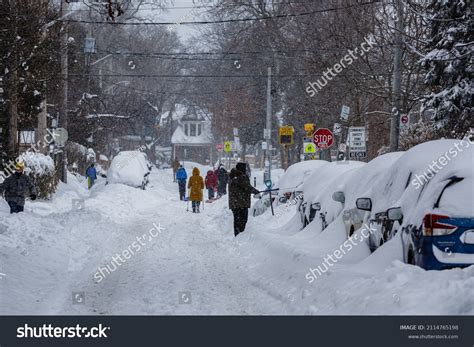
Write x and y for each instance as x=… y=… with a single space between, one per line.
x=196 y=186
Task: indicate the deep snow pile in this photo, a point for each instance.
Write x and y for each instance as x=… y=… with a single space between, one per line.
x=53 y=251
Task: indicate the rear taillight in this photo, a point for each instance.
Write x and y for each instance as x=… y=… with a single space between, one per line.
x=433 y=227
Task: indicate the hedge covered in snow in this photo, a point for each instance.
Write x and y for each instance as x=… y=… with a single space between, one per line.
x=41 y=169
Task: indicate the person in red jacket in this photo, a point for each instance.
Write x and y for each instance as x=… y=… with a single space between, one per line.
x=211 y=183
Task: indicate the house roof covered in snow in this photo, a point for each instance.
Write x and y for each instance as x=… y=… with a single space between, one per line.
x=183 y=113
x=180 y=138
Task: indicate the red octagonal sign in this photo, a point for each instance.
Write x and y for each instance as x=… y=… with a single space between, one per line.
x=323 y=138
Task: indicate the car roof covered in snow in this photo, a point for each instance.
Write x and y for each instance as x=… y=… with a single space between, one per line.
x=295 y=175
x=402 y=184
x=327 y=177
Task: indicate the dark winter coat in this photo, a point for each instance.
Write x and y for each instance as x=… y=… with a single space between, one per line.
x=211 y=180
x=16 y=187
x=196 y=185
x=240 y=190
x=222 y=176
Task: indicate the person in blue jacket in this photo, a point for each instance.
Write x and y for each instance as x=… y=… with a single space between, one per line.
x=181 y=177
x=91 y=174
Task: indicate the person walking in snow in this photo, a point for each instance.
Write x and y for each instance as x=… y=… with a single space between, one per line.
x=196 y=186
x=176 y=165
x=240 y=190
x=91 y=175
x=181 y=177
x=222 y=178
x=16 y=187
x=211 y=184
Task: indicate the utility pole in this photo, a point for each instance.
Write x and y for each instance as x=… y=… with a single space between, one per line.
x=63 y=93
x=43 y=124
x=268 y=167
x=12 y=88
x=397 y=79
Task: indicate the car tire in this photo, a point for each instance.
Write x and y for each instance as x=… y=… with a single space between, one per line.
x=411 y=256
x=351 y=231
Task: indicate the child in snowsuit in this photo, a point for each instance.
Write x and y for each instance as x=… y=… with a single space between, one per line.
x=91 y=174
x=211 y=184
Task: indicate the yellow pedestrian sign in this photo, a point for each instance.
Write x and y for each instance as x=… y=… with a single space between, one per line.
x=228 y=146
x=309 y=148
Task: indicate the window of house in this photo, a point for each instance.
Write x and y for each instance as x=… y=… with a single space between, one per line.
x=186 y=129
x=199 y=129
x=193 y=129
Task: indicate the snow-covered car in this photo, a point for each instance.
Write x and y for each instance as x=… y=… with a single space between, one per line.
x=291 y=182
x=403 y=177
x=318 y=189
x=357 y=185
x=437 y=217
x=131 y=168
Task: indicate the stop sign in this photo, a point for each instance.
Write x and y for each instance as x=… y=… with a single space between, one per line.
x=323 y=138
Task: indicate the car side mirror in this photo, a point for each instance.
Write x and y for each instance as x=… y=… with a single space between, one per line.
x=339 y=197
x=395 y=213
x=364 y=204
x=316 y=206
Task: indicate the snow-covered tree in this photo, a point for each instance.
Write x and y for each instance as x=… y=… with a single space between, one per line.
x=449 y=59
x=417 y=133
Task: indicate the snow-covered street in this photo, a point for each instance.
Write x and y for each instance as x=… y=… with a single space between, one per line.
x=192 y=264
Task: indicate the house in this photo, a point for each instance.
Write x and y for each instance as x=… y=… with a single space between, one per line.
x=192 y=138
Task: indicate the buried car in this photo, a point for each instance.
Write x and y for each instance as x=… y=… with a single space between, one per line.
x=357 y=185
x=438 y=231
x=318 y=190
x=131 y=168
x=411 y=174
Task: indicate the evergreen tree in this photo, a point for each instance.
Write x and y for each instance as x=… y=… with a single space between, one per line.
x=449 y=61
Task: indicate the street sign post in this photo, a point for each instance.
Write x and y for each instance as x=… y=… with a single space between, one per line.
x=323 y=138
x=345 y=112
x=227 y=146
x=267 y=134
x=60 y=137
x=357 y=145
x=404 y=122
x=309 y=148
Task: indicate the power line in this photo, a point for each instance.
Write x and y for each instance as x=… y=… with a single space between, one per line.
x=221 y=21
x=218 y=76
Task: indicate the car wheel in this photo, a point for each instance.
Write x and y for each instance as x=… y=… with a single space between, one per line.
x=411 y=256
x=351 y=232
x=305 y=223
